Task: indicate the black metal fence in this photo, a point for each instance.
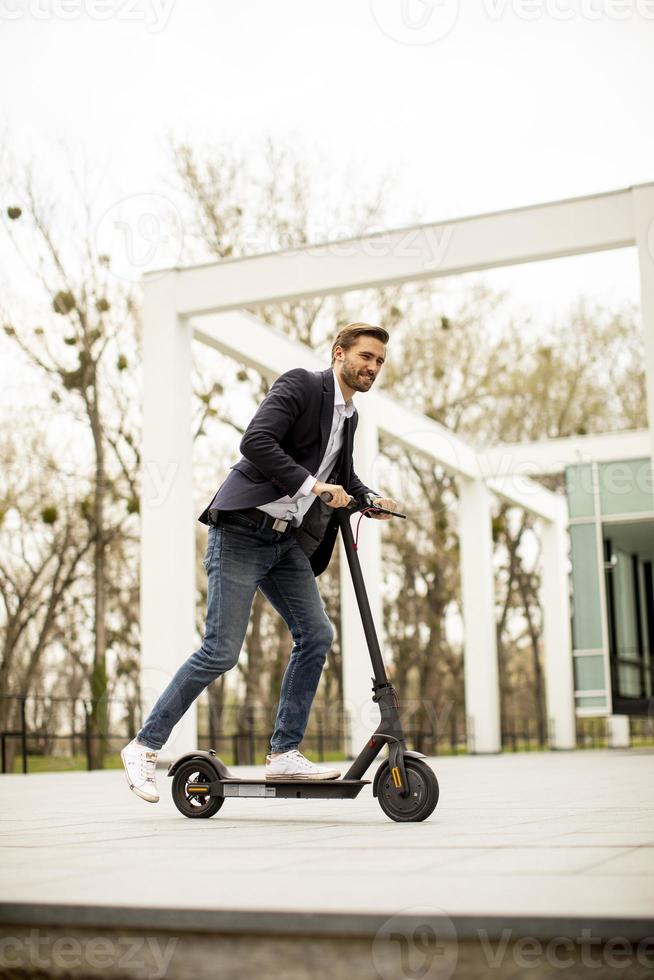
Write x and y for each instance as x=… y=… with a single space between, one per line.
x=56 y=733
x=593 y=733
x=58 y=728
x=523 y=735
x=241 y=733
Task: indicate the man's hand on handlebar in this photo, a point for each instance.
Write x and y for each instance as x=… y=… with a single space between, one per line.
x=340 y=497
x=388 y=504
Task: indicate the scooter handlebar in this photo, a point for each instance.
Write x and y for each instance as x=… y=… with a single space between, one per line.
x=353 y=506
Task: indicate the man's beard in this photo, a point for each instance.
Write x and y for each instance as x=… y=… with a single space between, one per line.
x=356 y=379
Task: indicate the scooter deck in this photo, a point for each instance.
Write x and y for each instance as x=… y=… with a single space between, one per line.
x=299 y=789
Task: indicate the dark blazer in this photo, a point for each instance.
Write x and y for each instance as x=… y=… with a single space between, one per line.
x=284 y=444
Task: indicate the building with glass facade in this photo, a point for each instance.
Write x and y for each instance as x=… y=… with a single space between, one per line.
x=611 y=508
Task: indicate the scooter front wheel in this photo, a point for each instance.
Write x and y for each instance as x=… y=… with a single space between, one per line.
x=193 y=804
x=423 y=792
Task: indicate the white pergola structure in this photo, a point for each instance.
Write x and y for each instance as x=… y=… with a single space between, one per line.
x=206 y=302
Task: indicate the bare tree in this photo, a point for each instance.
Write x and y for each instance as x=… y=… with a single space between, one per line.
x=45 y=543
x=83 y=352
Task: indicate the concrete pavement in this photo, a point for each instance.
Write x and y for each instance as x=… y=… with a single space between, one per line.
x=539 y=835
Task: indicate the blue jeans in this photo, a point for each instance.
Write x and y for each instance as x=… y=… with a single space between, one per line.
x=240 y=558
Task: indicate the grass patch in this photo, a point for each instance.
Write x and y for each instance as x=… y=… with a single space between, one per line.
x=62 y=763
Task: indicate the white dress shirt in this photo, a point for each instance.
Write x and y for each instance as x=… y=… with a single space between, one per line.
x=294 y=508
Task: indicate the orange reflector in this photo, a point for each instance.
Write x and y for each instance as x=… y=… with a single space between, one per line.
x=397 y=779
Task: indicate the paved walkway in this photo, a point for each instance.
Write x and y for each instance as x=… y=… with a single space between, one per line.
x=531 y=834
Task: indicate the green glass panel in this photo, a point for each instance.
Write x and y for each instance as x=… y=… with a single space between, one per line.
x=587 y=614
x=629 y=680
x=624 y=599
x=579 y=488
x=591 y=702
x=642 y=591
x=626 y=487
x=589 y=673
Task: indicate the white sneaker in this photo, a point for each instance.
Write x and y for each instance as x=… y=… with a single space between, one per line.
x=293 y=765
x=140 y=762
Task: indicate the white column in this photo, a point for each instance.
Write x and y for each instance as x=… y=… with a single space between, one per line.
x=167 y=520
x=361 y=712
x=643 y=203
x=478 y=596
x=557 y=634
x=618 y=726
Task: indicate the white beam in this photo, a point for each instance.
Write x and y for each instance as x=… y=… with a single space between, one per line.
x=478 y=599
x=167 y=518
x=557 y=633
x=527 y=234
x=553 y=455
x=643 y=216
x=526 y=493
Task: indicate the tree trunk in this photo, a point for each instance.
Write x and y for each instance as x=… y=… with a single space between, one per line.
x=99 y=713
x=534 y=636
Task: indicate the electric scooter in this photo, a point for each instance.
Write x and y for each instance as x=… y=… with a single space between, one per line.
x=405 y=786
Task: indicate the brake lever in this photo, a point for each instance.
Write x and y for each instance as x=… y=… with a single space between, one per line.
x=383 y=510
x=326 y=496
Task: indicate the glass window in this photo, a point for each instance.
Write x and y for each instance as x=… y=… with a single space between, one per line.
x=642 y=595
x=626 y=629
x=587 y=616
x=589 y=673
x=595 y=702
x=579 y=488
x=626 y=486
x=629 y=680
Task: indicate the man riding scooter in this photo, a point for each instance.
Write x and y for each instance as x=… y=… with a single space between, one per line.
x=269 y=530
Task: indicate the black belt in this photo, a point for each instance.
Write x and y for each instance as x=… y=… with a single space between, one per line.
x=253 y=515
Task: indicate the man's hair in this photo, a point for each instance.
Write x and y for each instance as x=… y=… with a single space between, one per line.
x=348 y=336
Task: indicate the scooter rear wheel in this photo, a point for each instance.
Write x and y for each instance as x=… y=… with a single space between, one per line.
x=423 y=792
x=195 y=771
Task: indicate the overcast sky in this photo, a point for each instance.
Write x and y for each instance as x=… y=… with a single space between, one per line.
x=470 y=109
